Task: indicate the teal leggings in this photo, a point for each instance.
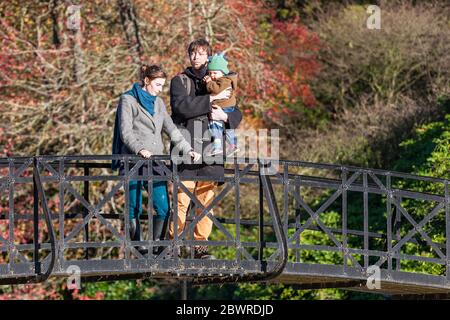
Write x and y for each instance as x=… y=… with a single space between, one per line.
x=160 y=198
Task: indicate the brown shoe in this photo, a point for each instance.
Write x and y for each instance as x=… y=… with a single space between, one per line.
x=201 y=252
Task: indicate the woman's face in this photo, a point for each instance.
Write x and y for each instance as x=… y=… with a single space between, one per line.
x=155 y=86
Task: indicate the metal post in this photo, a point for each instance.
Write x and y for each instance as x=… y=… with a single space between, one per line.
x=61 y=242
x=390 y=195
x=447 y=233
x=175 y=183
x=298 y=221
x=150 y=181
x=344 y=218
x=261 y=218
x=366 y=220
x=184 y=290
x=127 y=208
x=37 y=265
x=398 y=219
x=286 y=198
x=237 y=213
x=86 y=212
x=12 y=253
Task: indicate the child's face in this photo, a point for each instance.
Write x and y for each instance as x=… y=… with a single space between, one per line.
x=215 y=74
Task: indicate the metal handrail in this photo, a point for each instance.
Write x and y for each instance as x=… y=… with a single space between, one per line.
x=48 y=222
x=318 y=165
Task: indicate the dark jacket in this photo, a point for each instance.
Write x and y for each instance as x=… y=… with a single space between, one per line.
x=191 y=110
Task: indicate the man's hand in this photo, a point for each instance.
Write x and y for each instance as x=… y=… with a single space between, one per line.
x=218 y=114
x=225 y=94
x=207 y=79
x=195 y=156
x=145 y=154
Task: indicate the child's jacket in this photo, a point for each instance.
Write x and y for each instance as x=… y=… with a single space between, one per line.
x=215 y=87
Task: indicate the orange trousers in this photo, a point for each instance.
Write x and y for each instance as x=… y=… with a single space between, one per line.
x=204 y=191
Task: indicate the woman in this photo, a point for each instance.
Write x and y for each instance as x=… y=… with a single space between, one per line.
x=140 y=118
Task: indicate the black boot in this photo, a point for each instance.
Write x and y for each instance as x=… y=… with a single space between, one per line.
x=159 y=233
x=135 y=234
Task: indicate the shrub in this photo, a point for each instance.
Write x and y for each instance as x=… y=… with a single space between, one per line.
x=409 y=55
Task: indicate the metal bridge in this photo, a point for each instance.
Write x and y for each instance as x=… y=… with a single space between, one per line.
x=312 y=225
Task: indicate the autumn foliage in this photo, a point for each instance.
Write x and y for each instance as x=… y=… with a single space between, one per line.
x=56 y=81
x=59 y=85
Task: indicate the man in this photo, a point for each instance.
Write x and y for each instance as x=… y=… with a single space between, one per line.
x=191 y=110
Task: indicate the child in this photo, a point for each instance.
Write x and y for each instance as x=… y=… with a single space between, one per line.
x=219 y=79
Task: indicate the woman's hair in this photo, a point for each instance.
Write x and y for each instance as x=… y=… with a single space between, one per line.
x=152 y=72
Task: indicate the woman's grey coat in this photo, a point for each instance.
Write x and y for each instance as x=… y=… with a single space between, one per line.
x=140 y=130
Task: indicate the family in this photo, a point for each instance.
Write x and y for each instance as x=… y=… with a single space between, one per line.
x=202 y=96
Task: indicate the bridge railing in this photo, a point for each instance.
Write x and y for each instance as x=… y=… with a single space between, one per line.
x=338 y=220
x=85 y=197
x=363 y=218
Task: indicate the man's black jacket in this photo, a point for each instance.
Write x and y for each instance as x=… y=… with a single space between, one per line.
x=190 y=110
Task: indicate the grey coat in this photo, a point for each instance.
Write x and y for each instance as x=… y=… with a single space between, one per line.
x=140 y=130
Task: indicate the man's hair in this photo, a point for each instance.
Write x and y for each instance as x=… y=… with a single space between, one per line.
x=200 y=43
x=152 y=72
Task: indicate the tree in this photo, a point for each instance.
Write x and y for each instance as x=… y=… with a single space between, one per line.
x=60 y=78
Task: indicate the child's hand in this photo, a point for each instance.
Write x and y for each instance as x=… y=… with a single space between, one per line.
x=207 y=79
x=225 y=94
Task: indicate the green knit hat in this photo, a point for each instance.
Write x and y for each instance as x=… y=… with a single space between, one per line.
x=218 y=63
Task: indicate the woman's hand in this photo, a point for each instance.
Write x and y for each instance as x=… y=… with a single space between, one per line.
x=145 y=154
x=218 y=114
x=225 y=94
x=195 y=156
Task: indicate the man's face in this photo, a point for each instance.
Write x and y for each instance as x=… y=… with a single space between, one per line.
x=198 y=58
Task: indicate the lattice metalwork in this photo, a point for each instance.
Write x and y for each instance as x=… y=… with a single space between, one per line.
x=352 y=218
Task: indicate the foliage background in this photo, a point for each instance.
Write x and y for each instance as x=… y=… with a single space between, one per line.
x=340 y=93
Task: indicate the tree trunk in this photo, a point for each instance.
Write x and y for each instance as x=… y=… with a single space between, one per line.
x=79 y=62
x=191 y=34
x=130 y=27
x=55 y=27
